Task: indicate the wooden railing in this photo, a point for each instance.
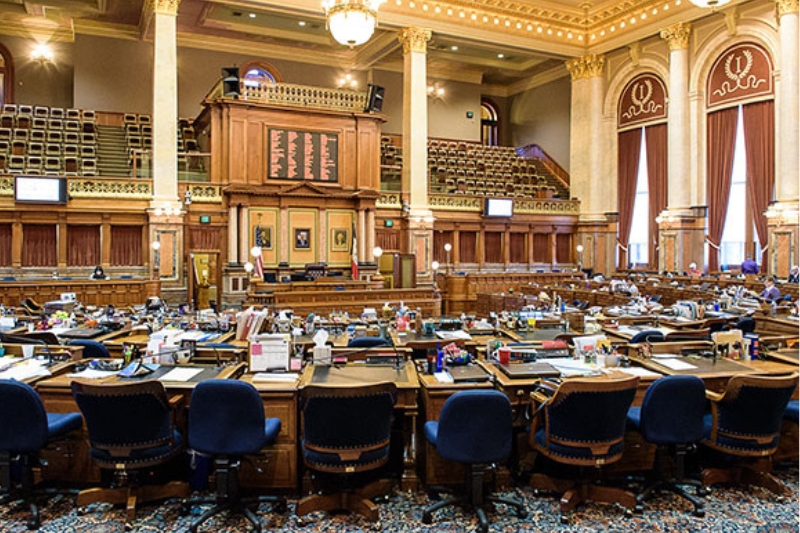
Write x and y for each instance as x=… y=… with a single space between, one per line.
x=466 y=203
x=290 y=94
x=534 y=151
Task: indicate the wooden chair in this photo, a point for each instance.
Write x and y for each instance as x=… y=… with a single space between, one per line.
x=131 y=429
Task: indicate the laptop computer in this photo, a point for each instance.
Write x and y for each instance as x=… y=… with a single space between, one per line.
x=529 y=370
x=468 y=373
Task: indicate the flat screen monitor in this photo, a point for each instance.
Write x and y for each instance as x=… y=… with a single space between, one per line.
x=40 y=190
x=499 y=207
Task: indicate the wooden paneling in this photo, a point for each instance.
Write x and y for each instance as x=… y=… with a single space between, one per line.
x=121 y=293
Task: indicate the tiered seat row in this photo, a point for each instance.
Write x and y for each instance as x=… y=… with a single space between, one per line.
x=472 y=168
x=47 y=140
x=139 y=137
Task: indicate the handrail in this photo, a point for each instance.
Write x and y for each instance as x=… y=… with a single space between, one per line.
x=534 y=151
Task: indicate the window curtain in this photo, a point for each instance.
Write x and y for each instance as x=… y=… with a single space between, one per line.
x=759 y=145
x=518 y=252
x=629 y=146
x=467 y=252
x=720 y=144
x=541 y=248
x=83 y=245
x=5 y=244
x=126 y=246
x=493 y=245
x=656 y=183
x=39 y=245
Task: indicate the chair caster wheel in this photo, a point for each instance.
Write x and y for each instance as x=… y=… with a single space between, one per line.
x=628 y=513
x=426 y=518
x=82 y=511
x=33 y=524
x=128 y=527
x=564 y=520
x=699 y=513
x=703 y=491
x=639 y=509
x=184 y=510
x=522 y=513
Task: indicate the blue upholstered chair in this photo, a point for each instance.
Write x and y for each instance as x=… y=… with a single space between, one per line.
x=131 y=429
x=671 y=416
x=368 y=342
x=226 y=421
x=792 y=413
x=346 y=434
x=474 y=429
x=746 y=324
x=647 y=336
x=744 y=427
x=91 y=349
x=583 y=425
x=25 y=428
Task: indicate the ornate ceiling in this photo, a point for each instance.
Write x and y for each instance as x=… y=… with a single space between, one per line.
x=496 y=42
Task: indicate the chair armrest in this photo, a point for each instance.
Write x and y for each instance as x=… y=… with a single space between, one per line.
x=714 y=396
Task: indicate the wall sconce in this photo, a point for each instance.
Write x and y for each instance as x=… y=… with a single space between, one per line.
x=377 y=252
x=258 y=261
x=42 y=53
x=347 y=82
x=436 y=90
x=447 y=248
x=170 y=210
x=579 y=249
x=665 y=216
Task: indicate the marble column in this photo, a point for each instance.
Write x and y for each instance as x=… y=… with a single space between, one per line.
x=419 y=235
x=165 y=103
x=233 y=235
x=244 y=234
x=361 y=224
x=588 y=145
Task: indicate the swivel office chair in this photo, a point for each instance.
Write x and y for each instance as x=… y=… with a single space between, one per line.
x=226 y=421
x=131 y=428
x=647 y=336
x=91 y=349
x=346 y=434
x=474 y=429
x=745 y=324
x=671 y=416
x=583 y=426
x=25 y=428
x=744 y=427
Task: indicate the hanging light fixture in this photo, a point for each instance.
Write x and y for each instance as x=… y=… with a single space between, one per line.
x=709 y=4
x=351 y=22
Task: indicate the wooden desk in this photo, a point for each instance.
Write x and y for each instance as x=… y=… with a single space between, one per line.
x=627 y=333
x=279 y=461
x=789 y=356
x=117 y=292
x=75 y=465
x=407 y=386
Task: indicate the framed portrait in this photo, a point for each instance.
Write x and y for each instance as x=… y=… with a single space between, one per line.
x=340 y=240
x=262 y=236
x=302 y=239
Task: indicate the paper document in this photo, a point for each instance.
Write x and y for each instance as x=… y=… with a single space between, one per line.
x=283 y=377
x=675 y=364
x=25 y=370
x=91 y=373
x=457 y=334
x=180 y=374
x=639 y=371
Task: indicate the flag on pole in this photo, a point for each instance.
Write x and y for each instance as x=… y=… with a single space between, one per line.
x=259 y=264
x=354 y=255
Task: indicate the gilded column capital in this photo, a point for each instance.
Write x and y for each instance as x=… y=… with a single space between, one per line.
x=165 y=7
x=590 y=66
x=414 y=39
x=677 y=35
x=786 y=7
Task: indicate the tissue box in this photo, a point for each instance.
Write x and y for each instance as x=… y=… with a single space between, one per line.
x=322 y=355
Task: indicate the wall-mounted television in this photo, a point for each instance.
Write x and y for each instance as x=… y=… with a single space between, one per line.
x=498 y=207
x=36 y=189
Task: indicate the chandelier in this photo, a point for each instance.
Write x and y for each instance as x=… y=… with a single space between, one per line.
x=712 y=4
x=351 y=22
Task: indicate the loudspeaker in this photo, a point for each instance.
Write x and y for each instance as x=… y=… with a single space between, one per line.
x=375 y=98
x=230 y=82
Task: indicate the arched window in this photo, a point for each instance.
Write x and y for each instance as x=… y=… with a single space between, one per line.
x=6 y=76
x=740 y=148
x=489 y=124
x=258 y=72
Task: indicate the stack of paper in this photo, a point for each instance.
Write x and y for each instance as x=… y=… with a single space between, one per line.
x=250 y=322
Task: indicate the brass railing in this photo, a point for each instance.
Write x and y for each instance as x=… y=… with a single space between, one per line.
x=474 y=204
x=290 y=94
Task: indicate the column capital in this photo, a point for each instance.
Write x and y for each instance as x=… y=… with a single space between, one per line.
x=164 y=7
x=414 y=39
x=677 y=35
x=786 y=7
x=590 y=66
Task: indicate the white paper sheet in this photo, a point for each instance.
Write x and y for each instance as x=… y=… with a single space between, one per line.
x=675 y=364
x=639 y=371
x=180 y=374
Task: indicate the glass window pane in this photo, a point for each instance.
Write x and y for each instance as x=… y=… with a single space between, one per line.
x=732 y=247
x=640 y=225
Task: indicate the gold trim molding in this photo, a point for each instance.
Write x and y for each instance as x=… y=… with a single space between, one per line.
x=585 y=67
x=786 y=7
x=677 y=35
x=414 y=39
x=165 y=7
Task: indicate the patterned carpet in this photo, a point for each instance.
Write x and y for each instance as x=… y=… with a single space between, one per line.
x=728 y=510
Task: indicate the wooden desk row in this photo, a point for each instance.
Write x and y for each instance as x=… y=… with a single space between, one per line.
x=420 y=398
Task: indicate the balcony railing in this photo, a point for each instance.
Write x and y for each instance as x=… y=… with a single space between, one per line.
x=465 y=203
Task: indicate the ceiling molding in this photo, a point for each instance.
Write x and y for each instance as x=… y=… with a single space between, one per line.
x=376 y=50
x=539 y=79
x=105 y=29
x=36 y=27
